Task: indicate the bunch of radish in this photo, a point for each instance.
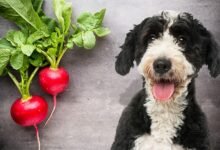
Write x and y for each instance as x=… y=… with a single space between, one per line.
x=41 y=42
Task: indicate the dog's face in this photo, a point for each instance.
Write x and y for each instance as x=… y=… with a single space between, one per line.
x=169 y=50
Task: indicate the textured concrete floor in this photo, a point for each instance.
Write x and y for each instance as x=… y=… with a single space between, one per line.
x=88 y=111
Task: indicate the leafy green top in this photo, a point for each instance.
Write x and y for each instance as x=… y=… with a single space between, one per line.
x=41 y=39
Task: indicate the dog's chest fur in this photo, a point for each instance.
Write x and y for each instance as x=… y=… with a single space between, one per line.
x=166 y=118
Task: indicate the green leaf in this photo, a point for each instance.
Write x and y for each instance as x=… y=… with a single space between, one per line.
x=36 y=59
x=63 y=12
x=55 y=39
x=10 y=37
x=89 y=40
x=78 y=40
x=46 y=43
x=4 y=44
x=100 y=16
x=19 y=38
x=35 y=36
x=50 y=22
x=52 y=52
x=23 y=14
x=87 y=21
x=69 y=44
x=4 y=59
x=37 y=4
x=26 y=64
x=16 y=60
x=27 y=49
x=101 y=32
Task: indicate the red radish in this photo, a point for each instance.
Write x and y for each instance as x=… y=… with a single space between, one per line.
x=30 y=112
x=53 y=81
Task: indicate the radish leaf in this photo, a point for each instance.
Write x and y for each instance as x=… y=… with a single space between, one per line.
x=69 y=44
x=89 y=40
x=36 y=59
x=87 y=21
x=100 y=16
x=51 y=23
x=4 y=44
x=34 y=37
x=101 y=32
x=16 y=60
x=27 y=49
x=4 y=58
x=37 y=4
x=10 y=37
x=52 y=52
x=77 y=39
x=25 y=64
x=23 y=14
x=63 y=12
x=19 y=38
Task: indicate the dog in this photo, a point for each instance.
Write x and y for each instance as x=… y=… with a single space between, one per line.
x=169 y=49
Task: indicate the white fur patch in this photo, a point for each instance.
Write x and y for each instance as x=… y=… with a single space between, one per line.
x=147 y=142
x=170 y=15
x=166 y=118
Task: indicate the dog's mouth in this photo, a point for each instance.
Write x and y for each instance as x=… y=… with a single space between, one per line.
x=163 y=89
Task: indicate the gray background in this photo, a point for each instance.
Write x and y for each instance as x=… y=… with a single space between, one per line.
x=88 y=111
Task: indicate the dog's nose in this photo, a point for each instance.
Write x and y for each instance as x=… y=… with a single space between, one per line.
x=162 y=66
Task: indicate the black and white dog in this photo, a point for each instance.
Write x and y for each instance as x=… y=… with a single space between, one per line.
x=169 y=50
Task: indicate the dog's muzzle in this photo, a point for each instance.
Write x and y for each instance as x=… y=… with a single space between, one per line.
x=162 y=89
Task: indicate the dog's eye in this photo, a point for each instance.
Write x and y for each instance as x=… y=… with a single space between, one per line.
x=152 y=37
x=181 y=39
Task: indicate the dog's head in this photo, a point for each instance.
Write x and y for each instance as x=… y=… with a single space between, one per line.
x=169 y=50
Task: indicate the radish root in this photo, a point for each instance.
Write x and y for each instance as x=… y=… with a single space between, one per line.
x=37 y=135
x=54 y=108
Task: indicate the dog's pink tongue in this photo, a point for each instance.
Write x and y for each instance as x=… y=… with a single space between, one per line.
x=162 y=91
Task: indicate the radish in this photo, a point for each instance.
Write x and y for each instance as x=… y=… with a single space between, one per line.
x=53 y=81
x=66 y=35
x=30 y=112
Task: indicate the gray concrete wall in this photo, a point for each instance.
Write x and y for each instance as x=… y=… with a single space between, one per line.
x=88 y=111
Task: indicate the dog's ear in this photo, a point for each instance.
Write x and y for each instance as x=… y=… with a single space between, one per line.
x=213 y=57
x=125 y=59
x=212 y=50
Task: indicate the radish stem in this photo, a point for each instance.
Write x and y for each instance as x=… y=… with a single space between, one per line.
x=37 y=135
x=31 y=77
x=54 y=108
x=51 y=61
x=60 y=57
x=13 y=78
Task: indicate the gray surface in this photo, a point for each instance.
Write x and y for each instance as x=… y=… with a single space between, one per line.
x=88 y=111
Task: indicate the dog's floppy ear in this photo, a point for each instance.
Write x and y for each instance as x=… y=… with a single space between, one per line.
x=213 y=57
x=211 y=48
x=125 y=59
